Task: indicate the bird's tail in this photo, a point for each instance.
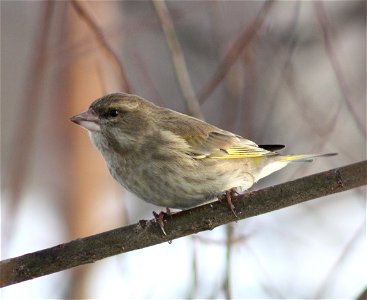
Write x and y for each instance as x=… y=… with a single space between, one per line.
x=304 y=157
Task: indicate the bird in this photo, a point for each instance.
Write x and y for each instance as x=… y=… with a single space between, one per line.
x=174 y=160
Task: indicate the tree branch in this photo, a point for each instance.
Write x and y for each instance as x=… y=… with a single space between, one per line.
x=178 y=59
x=146 y=233
x=101 y=39
x=330 y=51
x=243 y=41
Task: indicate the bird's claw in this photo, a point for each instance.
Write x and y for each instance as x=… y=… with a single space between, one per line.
x=160 y=220
x=228 y=196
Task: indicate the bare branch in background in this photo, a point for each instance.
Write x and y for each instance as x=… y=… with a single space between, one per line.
x=235 y=80
x=205 y=217
x=234 y=52
x=362 y=295
x=100 y=37
x=293 y=84
x=143 y=71
x=284 y=69
x=28 y=110
x=235 y=239
x=267 y=283
x=194 y=272
x=178 y=59
x=323 y=21
x=345 y=252
x=228 y=272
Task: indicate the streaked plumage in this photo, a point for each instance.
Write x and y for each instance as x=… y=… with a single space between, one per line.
x=171 y=159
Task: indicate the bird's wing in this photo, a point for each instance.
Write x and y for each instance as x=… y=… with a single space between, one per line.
x=225 y=145
x=207 y=141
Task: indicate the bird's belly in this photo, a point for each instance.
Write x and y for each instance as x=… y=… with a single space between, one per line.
x=180 y=186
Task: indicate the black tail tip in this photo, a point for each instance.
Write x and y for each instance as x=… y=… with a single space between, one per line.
x=330 y=154
x=272 y=147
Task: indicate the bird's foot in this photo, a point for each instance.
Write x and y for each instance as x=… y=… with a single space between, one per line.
x=228 y=196
x=160 y=218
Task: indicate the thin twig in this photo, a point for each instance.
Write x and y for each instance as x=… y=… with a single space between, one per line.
x=284 y=69
x=206 y=217
x=178 y=59
x=234 y=52
x=362 y=295
x=100 y=37
x=228 y=259
x=323 y=21
x=238 y=239
x=28 y=109
x=194 y=272
x=269 y=286
x=233 y=85
x=346 y=250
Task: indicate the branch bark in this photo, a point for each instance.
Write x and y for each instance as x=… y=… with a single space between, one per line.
x=146 y=233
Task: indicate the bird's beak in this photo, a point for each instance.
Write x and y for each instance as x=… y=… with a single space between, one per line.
x=88 y=119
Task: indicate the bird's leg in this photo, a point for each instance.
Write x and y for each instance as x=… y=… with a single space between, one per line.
x=229 y=196
x=160 y=220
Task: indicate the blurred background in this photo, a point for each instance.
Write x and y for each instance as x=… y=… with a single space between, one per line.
x=287 y=72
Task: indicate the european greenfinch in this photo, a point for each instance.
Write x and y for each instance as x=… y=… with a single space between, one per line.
x=171 y=159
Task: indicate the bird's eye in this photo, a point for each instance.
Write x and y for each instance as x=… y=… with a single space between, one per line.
x=113 y=113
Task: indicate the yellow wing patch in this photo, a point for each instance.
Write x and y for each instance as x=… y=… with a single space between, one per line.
x=237 y=152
